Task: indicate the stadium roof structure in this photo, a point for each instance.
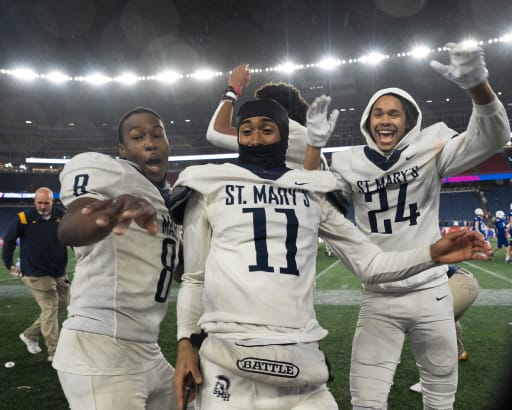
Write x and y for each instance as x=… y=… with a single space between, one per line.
x=75 y=67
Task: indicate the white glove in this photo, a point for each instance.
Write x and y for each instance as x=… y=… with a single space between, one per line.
x=319 y=127
x=467 y=66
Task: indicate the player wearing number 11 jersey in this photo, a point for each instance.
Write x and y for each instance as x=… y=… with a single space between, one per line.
x=394 y=182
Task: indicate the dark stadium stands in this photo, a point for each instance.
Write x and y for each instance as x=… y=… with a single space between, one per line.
x=458 y=206
x=499 y=198
x=496 y=164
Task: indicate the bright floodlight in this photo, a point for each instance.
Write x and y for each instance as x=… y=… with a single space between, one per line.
x=507 y=38
x=57 y=77
x=97 y=79
x=204 y=74
x=127 y=78
x=469 y=43
x=372 y=58
x=420 y=52
x=24 y=74
x=329 y=63
x=286 y=68
x=168 y=76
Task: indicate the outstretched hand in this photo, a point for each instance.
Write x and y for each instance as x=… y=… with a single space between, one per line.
x=319 y=127
x=459 y=246
x=467 y=65
x=120 y=211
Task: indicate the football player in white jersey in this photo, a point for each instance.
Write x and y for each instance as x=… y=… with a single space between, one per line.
x=250 y=274
x=394 y=182
x=126 y=253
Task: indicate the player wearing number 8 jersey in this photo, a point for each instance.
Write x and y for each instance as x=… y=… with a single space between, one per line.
x=394 y=182
x=126 y=251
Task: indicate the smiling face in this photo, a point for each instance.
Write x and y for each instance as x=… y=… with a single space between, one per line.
x=387 y=122
x=145 y=143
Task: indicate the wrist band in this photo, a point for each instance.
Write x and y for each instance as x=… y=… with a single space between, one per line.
x=230 y=95
x=236 y=89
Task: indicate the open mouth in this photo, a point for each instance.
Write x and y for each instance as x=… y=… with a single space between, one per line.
x=385 y=135
x=154 y=164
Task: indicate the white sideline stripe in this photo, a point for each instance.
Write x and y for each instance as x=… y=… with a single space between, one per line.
x=486 y=297
x=489 y=272
x=332 y=265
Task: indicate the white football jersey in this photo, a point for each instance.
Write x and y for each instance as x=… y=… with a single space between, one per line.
x=121 y=283
x=396 y=196
x=252 y=239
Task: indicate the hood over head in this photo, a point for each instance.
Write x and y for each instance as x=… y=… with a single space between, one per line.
x=412 y=111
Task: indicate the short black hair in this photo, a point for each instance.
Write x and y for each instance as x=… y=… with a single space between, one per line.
x=128 y=114
x=288 y=96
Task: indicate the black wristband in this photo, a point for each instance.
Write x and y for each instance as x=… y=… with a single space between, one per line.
x=230 y=95
x=232 y=89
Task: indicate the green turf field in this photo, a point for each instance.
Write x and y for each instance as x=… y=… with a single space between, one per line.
x=487 y=326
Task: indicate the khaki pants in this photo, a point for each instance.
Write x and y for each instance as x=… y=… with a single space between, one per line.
x=464 y=288
x=52 y=296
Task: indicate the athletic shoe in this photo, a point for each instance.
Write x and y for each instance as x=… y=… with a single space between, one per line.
x=50 y=358
x=464 y=356
x=416 y=388
x=32 y=346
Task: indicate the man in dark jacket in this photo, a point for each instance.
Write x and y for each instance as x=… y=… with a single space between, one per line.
x=43 y=267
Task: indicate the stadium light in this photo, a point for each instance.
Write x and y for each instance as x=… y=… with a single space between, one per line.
x=420 y=52
x=287 y=67
x=127 y=78
x=507 y=38
x=57 y=77
x=328 y=63
x=97 y=79
x=470 y=43
x=373 y=58
x=168 y=76
x=24 y=74
x=204 y=74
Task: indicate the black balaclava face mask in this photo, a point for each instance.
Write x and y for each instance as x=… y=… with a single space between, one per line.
x=264 y=156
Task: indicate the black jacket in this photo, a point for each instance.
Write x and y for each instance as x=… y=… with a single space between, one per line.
x=41 y=251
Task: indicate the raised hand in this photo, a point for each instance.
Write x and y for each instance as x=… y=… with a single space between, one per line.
x=239 y=78
x=467 y=66
x=319 y=127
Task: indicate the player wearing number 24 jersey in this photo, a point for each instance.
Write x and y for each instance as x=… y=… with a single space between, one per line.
x=394 y=182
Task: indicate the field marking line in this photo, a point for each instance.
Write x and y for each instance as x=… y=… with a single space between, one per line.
x=497 y=275
x=332 y=265
x=8 y=279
